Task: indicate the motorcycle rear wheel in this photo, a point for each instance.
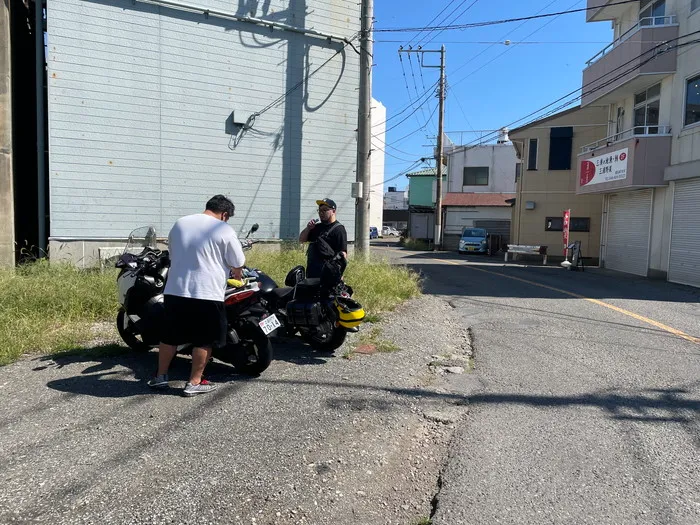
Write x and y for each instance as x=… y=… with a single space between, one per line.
x=332 y=343
x=127 y=335
x=260 y=346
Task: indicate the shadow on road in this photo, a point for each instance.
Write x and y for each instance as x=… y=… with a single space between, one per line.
x=679 y=405
x=475 y=276
x=115 y=371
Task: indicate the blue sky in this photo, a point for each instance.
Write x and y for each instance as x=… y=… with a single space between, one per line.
x=485 y=90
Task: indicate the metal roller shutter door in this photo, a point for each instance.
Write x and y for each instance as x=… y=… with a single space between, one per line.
x=684 y=265
x=627 y=246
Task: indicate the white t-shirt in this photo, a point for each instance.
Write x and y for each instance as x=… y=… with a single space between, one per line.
x=202 y=250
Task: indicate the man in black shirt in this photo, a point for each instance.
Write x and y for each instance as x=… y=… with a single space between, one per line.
x=328 y=229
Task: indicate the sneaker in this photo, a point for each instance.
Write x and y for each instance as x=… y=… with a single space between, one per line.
x=159 y=381
x=202 y=388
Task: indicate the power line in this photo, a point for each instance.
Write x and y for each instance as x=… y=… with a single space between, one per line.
x=516 y=42
x=497 y=22
x=509 y=48
x=504 y=36
x=433 y=20
x=425 y=96
x=409 y=116
x=454 y=20
x=415 y=85
x=599 y=87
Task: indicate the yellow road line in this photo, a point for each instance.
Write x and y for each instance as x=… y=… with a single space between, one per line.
x=657 y=324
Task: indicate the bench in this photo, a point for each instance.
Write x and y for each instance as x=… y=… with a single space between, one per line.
x=515 y=249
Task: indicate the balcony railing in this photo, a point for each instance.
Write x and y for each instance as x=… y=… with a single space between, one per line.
x=637 y=131
x=652 y=21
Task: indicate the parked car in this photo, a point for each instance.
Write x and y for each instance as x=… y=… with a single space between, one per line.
x=388 y=231
x=474 y=240
x=373 y=232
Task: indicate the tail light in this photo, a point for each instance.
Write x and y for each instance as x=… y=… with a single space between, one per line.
x=237 y=297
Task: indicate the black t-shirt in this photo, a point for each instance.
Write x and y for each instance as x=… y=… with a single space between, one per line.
x=337 y=238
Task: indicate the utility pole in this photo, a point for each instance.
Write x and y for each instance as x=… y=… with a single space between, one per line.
x=364 y=133
x=441 y=125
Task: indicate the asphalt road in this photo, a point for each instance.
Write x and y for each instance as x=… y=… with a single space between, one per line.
x=588 y=404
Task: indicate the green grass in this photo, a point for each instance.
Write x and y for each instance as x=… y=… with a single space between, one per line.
x=52 y=307
x=372 y=337
x=416 y=245
x=377 y=285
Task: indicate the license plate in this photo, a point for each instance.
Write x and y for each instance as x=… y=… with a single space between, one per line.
x=269 y=324
x=471 y=248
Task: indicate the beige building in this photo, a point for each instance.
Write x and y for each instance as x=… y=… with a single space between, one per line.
x=646 y=164
x=546 y=182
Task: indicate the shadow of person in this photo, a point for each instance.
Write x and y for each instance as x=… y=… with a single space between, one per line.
x=114 y=371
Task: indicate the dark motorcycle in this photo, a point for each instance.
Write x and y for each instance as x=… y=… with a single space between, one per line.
x=320 y=310
x=141 y=282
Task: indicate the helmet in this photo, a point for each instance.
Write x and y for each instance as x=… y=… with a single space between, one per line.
x=350 y=312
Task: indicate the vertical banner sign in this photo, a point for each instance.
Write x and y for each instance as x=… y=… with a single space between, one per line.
x=565 y=230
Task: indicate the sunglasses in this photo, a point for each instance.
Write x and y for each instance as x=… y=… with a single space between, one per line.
x=324 y=209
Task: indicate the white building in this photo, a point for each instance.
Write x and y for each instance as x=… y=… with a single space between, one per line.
x=376 y=201
x=648 y=165
x=396 y=199
x=480 y=179
x=153 y=108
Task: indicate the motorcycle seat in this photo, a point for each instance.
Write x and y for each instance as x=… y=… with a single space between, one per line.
x=283 y=292
x=312 y=282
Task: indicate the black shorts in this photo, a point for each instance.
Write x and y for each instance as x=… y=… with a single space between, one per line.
x=198 y=322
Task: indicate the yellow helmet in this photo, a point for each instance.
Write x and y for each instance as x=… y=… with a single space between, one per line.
x=350 y=313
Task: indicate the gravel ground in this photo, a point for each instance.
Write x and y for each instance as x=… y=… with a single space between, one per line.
x=314 y=440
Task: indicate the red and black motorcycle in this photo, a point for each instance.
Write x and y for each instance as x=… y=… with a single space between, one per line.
x=141 y=281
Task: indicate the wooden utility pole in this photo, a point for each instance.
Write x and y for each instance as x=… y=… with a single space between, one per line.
x=441 y=124
x=438 y=156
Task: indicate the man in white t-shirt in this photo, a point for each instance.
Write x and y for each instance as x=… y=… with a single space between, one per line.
x=203 y=249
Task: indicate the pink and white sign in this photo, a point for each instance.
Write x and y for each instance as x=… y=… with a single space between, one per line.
x=605 y=168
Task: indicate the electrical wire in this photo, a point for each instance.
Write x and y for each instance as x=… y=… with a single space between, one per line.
x=503 y=37
x=508 y=48
x=425 y=96
x=598 y=87
x=497 y=22
x=453 y=21
x=433 y=20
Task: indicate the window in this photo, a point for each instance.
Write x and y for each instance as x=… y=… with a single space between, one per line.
x=646 y=111
x=652 y=12
x=532 y=155
x=518 y=171
x=476 y=176
x=560 y=148
x=576 y=224
x=692 y=101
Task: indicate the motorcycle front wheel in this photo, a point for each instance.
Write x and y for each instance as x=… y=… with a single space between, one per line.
x=127 y=332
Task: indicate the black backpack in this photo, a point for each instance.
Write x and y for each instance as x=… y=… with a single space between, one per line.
x=322 y=247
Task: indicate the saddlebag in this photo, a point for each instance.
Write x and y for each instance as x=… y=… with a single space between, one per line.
x=304 y=313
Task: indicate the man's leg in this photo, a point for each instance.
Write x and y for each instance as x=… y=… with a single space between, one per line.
x=165 y=357
x=196 y=385
x=200 y=358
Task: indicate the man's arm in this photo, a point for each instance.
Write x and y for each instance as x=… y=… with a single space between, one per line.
x=343 y=237
x=304 y=235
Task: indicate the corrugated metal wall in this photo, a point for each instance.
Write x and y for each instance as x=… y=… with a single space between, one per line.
x=140 y=95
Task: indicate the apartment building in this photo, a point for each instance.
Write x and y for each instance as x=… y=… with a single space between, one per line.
x=647 y=166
